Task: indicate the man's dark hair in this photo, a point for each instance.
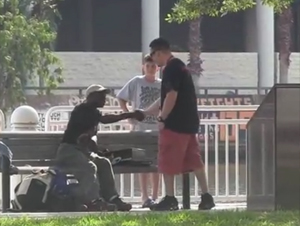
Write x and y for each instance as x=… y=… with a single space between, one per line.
x=160 y=44
x=148 y=59
x=83 y=118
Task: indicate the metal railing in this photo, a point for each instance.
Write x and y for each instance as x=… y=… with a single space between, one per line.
x=58 y=122
x=226 y=171
x=226 y=180
x=226 y=177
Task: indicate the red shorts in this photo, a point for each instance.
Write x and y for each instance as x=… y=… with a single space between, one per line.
x=178 y=152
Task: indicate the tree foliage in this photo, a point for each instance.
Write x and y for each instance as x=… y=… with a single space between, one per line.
x=24 y=52
x=187 y=10
x=41 y=9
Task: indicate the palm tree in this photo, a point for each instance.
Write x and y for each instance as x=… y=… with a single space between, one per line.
x=194 y=46
x=284 y=26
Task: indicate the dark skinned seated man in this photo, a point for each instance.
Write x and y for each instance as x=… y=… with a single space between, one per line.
x=76 y=154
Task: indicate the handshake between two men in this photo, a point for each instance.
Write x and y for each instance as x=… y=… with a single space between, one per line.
x=138 y=115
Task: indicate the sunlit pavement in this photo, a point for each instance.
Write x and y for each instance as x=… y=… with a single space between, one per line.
x=136 y=210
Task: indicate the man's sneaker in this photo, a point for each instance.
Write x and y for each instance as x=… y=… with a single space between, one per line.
x=168 y=203
x=207 y=202
x=148 y=203
x=121 y=206
x=101 y=205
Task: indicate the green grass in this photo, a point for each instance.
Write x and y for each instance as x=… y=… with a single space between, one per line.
x=189 y=218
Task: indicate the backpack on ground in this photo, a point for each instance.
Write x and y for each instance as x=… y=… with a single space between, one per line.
x=48 y=190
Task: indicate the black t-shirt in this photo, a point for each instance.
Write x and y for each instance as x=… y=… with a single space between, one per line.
x=184 y=116
x=84 y=117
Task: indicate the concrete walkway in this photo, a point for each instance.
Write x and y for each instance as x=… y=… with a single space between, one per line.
x=136 y=210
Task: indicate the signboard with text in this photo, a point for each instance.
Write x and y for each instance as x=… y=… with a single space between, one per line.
x=219 y=100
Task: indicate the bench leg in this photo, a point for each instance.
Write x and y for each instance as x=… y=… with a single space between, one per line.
x=5 y=184
x=186 y=191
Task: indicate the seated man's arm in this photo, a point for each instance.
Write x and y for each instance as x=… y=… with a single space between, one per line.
x=95 y=149
x=106 y=119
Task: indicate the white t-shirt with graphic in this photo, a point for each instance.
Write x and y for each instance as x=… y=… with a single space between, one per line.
x=141 y=94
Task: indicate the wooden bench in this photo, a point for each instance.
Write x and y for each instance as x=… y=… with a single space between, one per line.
x=38 y=149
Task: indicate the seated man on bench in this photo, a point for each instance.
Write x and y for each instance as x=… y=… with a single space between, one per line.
x=96 y=177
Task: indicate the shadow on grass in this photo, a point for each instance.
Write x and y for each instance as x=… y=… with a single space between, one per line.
x=182 y=218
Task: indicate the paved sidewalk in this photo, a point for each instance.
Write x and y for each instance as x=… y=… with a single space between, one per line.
x=136 y=210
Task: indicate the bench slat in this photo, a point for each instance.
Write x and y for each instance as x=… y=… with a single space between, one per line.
x=117 y=169
x=34 y=162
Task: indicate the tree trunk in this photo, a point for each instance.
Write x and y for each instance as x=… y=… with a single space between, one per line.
x=2 y=94
x=3 y=89
x=194 y=45
x=284 y=26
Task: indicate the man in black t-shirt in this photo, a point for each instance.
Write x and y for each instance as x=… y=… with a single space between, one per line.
x=78 y=152
x=178 y=122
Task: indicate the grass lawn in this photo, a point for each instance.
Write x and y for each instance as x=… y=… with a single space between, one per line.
x=189 y=218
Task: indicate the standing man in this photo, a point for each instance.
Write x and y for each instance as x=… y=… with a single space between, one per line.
x=178 y=123
x=141 y=92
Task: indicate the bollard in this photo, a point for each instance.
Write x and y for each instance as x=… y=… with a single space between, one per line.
x=23 y=118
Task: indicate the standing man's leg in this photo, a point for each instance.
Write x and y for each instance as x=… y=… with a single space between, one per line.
x=147 y=202
x=155 y=185
x=144 y=177
x=107 y=184
x=171 y=154
x=193 y=162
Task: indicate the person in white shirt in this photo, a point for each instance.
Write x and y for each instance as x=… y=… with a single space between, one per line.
x=142 y=91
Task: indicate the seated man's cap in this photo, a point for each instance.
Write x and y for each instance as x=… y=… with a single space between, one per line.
x=96 y=88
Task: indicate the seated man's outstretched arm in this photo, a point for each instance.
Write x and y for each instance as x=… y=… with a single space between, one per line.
x=106 y=119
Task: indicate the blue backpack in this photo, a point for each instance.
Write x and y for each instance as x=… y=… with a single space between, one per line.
x=61 y=196
x=62 y=184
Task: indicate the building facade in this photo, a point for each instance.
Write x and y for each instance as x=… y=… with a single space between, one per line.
x=115 y=26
